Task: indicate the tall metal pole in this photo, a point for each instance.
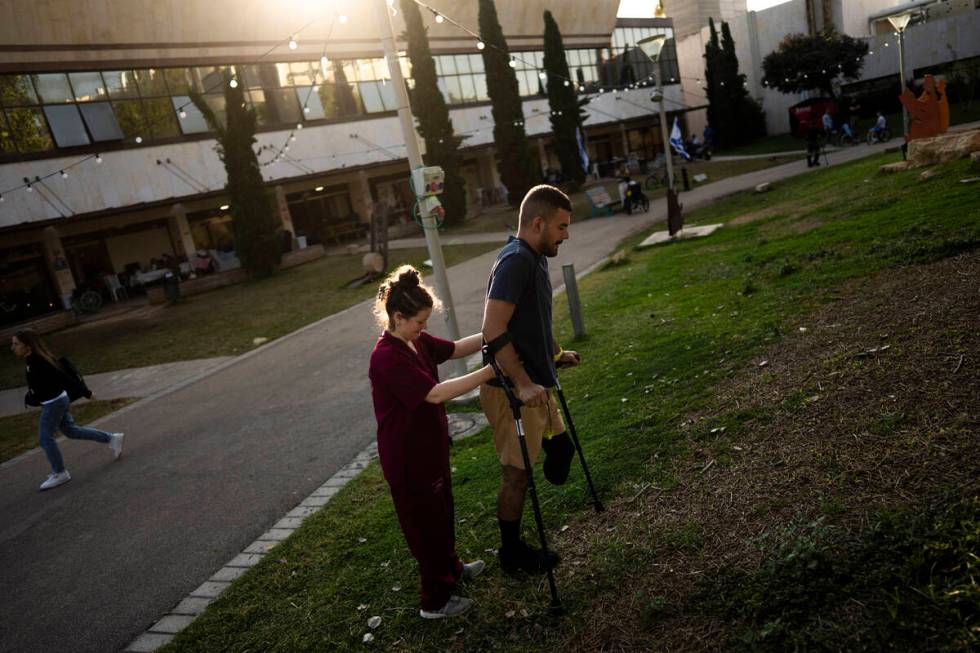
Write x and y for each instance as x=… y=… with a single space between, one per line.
x=387 y=32
x=663 y=128
x=901 y=77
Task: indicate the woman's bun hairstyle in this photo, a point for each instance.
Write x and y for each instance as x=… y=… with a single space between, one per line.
x=402 y=292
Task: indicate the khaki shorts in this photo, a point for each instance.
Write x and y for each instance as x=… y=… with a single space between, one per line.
x=544 y=421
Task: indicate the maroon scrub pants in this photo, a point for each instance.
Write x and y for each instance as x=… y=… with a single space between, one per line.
x=425 y=512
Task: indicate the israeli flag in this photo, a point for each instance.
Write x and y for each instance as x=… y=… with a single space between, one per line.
x=582 y=154
x=677 y=141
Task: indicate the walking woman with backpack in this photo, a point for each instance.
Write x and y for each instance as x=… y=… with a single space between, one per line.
x=52 y=384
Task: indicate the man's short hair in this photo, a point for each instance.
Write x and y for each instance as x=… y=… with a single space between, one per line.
x=543 y=200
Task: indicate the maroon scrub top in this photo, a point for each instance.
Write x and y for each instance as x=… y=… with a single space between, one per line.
x=413 y=434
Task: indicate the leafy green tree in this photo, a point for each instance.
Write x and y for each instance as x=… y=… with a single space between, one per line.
x=429 y=107
x=518 y=172
x=804 y=62
x=255 y=222
x=735 y=117
x=566 y=115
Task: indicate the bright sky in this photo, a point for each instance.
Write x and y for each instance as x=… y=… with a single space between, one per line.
x=645 y=8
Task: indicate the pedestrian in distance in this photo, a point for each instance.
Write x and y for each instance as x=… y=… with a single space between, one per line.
x=52 y=384
x=517 y=328
x=413 y=434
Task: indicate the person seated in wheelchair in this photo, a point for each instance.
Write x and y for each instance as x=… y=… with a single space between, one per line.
x=880 y=124
x=633 y=197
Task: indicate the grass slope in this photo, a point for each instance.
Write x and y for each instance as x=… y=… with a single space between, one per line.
x=668 y=329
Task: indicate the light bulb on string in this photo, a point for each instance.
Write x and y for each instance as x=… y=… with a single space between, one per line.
x=292 y=43
x=306 y=110
x=512 y=63
x=440 y=18
x=542 y=75
x=64 y=175
x=98 y=158
x=567 y=82
x=292 y=137
x=30 y=189
x=2 y=199
x=480 y=45
x=138 y=139
x=233 y=83
x=324 y=62
x=299 y=125
x=182 y=114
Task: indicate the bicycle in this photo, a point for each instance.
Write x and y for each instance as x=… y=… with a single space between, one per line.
x=882 y=135
x=656 y=180
x=86 y=301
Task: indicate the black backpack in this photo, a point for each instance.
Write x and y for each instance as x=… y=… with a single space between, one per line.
x=76 y=387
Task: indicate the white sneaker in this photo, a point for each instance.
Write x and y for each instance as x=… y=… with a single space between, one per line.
x=116 y=444
x=54 y=480
x=472 y=569
x=456 y=605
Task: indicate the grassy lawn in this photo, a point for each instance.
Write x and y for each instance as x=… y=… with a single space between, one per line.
x=730 y=525
x=18 y=433
x=225 y=321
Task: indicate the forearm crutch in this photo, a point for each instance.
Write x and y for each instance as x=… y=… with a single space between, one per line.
x=515 y=407
x=578 y=447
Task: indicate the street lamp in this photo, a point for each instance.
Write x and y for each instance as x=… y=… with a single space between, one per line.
x=900 y=22
x=651 y=47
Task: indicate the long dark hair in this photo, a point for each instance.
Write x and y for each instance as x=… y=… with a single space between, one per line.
x=38 y=345
x=402 y=292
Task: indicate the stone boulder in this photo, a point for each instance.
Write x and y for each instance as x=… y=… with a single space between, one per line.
x=898 y=166
x=943 y=148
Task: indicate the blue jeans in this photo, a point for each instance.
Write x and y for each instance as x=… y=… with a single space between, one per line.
x=55 y=416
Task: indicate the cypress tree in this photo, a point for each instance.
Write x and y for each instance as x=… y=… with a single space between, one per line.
x=429 y=107
x=255 y=223
x=719 y=111
x=564 y=103
x=517 y=170
x=748 y=118
x=736 y=118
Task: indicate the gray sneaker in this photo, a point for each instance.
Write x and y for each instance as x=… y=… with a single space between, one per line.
x=472 y=569
x=116 y=444
x=54 y=480
x=456 y=605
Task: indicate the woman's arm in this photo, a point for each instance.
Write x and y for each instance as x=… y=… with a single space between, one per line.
x=468 y=345
x=443 y=392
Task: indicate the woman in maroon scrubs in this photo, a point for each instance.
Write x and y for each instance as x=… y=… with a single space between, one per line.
x=413 y=434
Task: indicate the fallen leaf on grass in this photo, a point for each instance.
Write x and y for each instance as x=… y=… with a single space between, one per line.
x=368 y=638
x=374 y=622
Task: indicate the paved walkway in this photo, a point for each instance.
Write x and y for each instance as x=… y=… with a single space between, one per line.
x=212 y=463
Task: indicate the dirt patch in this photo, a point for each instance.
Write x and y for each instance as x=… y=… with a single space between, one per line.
x=755 y=216
x=870 y=404
x=791 y=227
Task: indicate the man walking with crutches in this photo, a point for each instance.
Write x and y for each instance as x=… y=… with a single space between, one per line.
x=517 y=330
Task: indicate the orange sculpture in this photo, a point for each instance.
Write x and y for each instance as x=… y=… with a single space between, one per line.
x=929 y=113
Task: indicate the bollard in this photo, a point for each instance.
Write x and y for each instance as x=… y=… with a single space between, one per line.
x=574 y=307
x=687 y=182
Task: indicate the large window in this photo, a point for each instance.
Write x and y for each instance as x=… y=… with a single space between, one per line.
x=625 y=39
x=461 y=78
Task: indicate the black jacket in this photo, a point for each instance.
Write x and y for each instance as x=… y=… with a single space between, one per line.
x=46 y=382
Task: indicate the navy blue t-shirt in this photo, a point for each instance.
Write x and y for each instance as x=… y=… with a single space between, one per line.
x=520 y=276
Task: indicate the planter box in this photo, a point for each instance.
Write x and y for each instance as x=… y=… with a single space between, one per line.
x=41 y=324
x=196 y=286
x=292 y=259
